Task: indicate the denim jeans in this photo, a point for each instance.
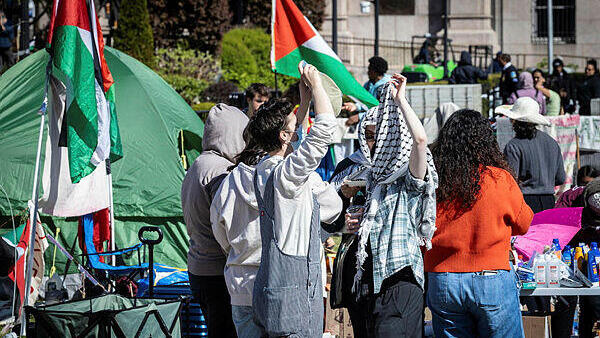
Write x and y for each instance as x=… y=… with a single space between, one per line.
x=470 y=304
x=244 y=322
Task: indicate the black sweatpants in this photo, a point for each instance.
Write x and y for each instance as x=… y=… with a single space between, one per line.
x=397 y=310
x=212 y=295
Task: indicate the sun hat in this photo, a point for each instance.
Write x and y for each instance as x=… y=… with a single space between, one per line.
x=331 y=89
x=525 y=109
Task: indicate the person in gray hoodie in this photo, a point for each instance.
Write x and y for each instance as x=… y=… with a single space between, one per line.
x=223 y=140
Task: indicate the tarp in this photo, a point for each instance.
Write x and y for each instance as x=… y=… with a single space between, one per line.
x=147 y=181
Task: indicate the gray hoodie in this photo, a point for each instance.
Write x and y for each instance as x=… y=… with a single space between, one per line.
x=222 y=141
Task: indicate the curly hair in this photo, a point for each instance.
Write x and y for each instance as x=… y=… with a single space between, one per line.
x=524 y=130
x=265 y=125
x=378 y=65
x=464 y=149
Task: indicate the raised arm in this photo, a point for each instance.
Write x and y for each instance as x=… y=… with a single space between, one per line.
x=418 y=154
x=306 y=159
x=305 y=97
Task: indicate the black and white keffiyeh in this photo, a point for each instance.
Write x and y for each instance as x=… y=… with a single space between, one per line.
x=389 y=162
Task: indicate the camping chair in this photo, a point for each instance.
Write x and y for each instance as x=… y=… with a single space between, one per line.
x=93 y=257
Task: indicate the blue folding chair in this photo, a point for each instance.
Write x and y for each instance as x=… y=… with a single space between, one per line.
x=93 y=257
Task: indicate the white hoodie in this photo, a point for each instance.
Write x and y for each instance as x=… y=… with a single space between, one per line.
x=236 y=226
x=234 y=210
x=295 y=181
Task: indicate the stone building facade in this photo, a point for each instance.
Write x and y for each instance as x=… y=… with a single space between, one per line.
x=517 y=27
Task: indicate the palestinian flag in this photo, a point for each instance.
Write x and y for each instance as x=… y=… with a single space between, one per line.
x=89 y=124
x=295 y=39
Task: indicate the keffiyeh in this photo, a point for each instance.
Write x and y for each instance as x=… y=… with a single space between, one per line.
x=389 y=163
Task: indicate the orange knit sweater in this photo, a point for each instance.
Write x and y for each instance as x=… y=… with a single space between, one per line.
x=479 y=239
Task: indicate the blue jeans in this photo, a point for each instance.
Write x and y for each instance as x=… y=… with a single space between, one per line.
x=470 y=304
x=244 y=323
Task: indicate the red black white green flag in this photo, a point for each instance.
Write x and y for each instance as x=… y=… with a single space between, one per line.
x=296 y=39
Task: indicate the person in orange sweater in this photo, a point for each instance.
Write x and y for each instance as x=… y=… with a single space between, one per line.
x=472 y=289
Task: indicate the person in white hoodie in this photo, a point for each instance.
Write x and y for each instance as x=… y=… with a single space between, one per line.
x=235 y=221
x=222 y=141
x=288 y=293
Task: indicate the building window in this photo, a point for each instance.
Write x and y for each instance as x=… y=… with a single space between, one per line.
x=397 y=7
x=563 y=17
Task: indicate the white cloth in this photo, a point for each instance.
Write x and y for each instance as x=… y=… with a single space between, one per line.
x=434 y=124
x=295 y=182
x=61 y=197
x=236 y=225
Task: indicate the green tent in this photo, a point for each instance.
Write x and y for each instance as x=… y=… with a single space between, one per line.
x=146 y=181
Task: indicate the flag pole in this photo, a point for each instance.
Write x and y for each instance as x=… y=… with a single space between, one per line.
x=34 y=198
x=111 y=211
x=276 y=89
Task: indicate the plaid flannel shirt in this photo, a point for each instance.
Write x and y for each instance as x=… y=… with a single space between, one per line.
x=394 y=237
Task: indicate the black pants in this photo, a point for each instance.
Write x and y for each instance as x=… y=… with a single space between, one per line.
x=397 y=310
x=562 y=317
x=6 y=58
x=589 y=307
x=212 y=295
x=539 y=203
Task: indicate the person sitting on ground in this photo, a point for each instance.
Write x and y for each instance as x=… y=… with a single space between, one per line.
x=222 y=141
x=526 y=89
x=293 y=200
x=466 y=73
x=399 y=216
x=257 y=94
x=589 y=88
x=508 y=79
x=377 y=70
x=574 y=196
x=434 y=123
x=472 y=290
x=236 y=226
x=534 y=155
x=553 y=102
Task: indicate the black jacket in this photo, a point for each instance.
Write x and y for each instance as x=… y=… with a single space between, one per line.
x=466 y=73
x=508 y=82
x=564 y=81
x=589 y=89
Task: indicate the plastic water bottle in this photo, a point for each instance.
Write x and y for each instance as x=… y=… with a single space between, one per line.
x=578 y=260
x=540 y=267
x=567 y=257
x=553 y=271
x=592 y=264
x=556 y=247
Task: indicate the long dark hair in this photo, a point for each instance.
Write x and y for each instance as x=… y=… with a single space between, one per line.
x=252 y=153
x=465 y=148
x=524 y=130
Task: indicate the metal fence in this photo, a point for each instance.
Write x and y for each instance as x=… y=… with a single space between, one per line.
x=357 y=51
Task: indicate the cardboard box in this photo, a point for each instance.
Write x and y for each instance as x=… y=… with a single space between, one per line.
x=537 y=327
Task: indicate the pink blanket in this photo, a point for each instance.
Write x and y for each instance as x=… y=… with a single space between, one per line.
x=562 y=223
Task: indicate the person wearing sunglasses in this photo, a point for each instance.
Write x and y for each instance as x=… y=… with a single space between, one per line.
x=589 y=88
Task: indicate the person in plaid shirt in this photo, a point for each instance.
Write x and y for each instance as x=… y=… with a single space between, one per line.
x=399 y=216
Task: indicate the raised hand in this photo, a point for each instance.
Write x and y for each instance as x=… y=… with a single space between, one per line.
x=399 y=87
x=310 y=75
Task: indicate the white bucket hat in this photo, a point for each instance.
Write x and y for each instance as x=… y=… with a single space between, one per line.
x=525 y=109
